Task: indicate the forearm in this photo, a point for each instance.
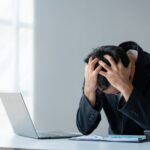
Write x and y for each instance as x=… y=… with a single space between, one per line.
x=137 y=108
x=87 y=117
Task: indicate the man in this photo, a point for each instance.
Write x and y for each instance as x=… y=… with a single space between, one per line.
x=117 y=79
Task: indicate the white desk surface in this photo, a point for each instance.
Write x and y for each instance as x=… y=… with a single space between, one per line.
x=14 y=141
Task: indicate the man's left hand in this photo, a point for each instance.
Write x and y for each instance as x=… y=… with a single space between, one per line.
x=118 y=75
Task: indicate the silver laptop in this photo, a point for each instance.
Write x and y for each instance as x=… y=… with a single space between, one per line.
x=21 y=121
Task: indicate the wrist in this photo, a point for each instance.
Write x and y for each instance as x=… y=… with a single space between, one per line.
x=91 y=97
x=126 y=91
x=89 y=91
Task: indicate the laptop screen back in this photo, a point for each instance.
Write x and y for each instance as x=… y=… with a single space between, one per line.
x=18 y=114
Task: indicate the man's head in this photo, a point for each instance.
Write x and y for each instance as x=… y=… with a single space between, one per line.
x=117 y=53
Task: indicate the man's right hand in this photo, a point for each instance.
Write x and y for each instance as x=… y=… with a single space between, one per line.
x=91 y=74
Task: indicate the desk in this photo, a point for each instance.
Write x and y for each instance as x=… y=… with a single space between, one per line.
x=14 y=141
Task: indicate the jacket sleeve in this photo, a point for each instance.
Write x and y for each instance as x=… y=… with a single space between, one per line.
x=137 y=108
x=88 y=118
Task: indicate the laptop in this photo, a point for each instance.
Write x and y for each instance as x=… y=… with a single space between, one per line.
x=21 y=121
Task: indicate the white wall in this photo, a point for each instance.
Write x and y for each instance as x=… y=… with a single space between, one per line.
x=65 y=32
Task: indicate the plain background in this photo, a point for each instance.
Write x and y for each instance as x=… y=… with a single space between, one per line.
x=65 y=32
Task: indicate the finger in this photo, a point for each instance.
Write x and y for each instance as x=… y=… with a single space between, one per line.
x=98 y=68
x=111 y=60
x=130 y=64
x=90 y=59
x=104 y=65
x=103 y=73
x=120 y=64
x=93 y=63
x=131 y=56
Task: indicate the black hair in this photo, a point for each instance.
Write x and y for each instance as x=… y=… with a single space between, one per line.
x=130 y=45
x=116 y=52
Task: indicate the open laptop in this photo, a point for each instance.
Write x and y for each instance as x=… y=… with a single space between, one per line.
x=21 y=121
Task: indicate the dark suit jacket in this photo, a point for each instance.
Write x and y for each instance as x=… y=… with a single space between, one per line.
x=133 y=117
